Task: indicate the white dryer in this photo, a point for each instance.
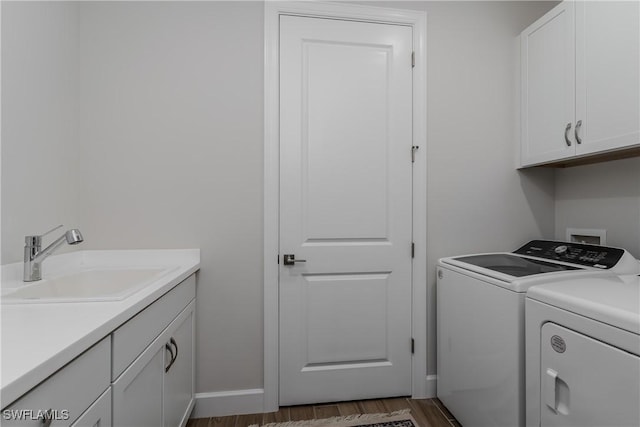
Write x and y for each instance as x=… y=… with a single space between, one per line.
x=583 y=353
x=481 y=322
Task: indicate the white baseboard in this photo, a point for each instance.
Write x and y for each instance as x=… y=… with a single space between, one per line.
x=431 y=386
x=222 y=403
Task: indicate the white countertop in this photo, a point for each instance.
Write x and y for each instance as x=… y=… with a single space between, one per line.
x=39 y=339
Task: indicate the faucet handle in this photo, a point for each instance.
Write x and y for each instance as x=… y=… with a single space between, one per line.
x=36 y=240
x=52 y=230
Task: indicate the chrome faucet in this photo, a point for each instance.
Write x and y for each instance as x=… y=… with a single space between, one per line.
x=34 y=255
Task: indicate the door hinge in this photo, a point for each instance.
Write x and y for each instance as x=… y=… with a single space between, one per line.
x=413 y=346
x=278 y=259
x=413 y=250
x=413 y=59
x=414 y=148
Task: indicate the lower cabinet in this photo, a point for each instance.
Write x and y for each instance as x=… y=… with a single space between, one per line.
x=142 y=374
x=157 y=389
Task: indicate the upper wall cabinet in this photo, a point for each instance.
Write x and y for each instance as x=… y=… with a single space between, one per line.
x=580 y=76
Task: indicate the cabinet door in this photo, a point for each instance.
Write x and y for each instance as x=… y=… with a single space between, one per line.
x=547 y=91
x=179 y=379
x=607 y=75
x=585 y=382
x=137 y=394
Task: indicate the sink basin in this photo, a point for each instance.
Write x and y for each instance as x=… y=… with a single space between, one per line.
x=84 y=286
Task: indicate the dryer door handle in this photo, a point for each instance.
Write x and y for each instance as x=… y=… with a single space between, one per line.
x=549 y=389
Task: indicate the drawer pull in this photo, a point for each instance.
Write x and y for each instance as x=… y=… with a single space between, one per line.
x=47 y=418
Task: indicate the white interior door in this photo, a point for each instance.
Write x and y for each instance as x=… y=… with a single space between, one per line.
x=345 y=208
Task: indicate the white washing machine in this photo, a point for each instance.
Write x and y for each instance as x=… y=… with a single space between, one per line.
x=480 y=322
x=583 y=353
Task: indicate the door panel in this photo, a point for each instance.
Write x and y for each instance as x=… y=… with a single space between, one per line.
x=353 y=308
x=345 y=208
x=356 y=89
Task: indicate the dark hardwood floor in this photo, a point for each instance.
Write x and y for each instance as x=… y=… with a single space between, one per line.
x=427 y=412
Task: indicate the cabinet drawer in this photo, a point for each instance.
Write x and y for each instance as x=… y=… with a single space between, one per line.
x=98 y=414
x=130 y=339
x=67 y=393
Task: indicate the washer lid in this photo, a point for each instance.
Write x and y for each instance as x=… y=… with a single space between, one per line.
x=513 y=265
x=610 y=299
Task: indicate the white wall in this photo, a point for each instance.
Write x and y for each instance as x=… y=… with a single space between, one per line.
x=477 y=201
x=170 y=137
x=172 y=148
x=40 y=156
x=172 y=98
x=604 y=196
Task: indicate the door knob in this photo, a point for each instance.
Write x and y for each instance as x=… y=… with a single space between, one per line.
x=290 y=259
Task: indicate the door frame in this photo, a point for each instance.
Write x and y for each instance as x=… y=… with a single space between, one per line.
x=418 y=21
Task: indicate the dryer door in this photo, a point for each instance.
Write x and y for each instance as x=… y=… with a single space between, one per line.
x=585 y=382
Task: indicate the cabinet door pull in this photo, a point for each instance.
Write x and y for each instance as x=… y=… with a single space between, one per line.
x=173 y=358
x=175 y=344
x=578 y=126
x=566 y=134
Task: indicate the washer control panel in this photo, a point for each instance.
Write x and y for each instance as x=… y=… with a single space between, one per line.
x=576 y=253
